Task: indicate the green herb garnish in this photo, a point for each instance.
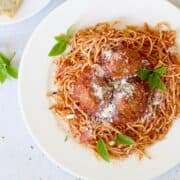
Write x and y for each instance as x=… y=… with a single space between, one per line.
x=143 y=73
x=161 y=70
x=102 y=150
x=70 y=30
x=62 y=42
x=123 y=139
x=153 y=77
x=6 y=68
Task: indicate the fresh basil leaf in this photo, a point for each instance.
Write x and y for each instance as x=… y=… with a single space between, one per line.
x=153 y=81
x=102 y=150
x=123 y=139
x=61 y=38
x=162 y=86
x=3 y=74
x=2 y=63
x=58 y=48
x=161 y=70
x=4 y=58
x=70 y=31
x=62 y=41
x=12 y=71
x=6 y=69
x=143 y=73
x=3 y=71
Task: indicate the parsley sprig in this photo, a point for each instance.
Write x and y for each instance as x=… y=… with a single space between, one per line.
x=6 y=68
x=153 y=77
x=61 y=42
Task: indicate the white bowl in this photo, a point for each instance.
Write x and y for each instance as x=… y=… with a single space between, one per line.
x=27 y=9
x=34 y=83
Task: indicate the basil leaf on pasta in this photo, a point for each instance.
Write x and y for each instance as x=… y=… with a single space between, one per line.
x=62 y=42
x=123 y=139
x=102 y=150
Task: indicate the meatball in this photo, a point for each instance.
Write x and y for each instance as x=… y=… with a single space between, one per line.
x=131 y=103
x=90 y=91
x=121 y=63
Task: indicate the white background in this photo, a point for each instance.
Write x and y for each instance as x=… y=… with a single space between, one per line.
x=20 y=158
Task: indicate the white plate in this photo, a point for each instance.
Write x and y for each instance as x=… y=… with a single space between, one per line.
x=33 y=85
x=26 y=10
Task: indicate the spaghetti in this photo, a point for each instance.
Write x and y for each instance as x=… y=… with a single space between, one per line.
x=100 y=95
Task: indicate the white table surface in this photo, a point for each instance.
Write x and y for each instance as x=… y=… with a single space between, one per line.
x=20 y=158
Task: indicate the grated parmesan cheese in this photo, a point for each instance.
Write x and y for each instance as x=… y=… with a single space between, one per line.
x=99 y=72
x=148 y=114
x=107 y=112
x=158 y=98
x=98 y=91
x=108 y=54
x=124 y=89
x=155 y=100
x=121 y=56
